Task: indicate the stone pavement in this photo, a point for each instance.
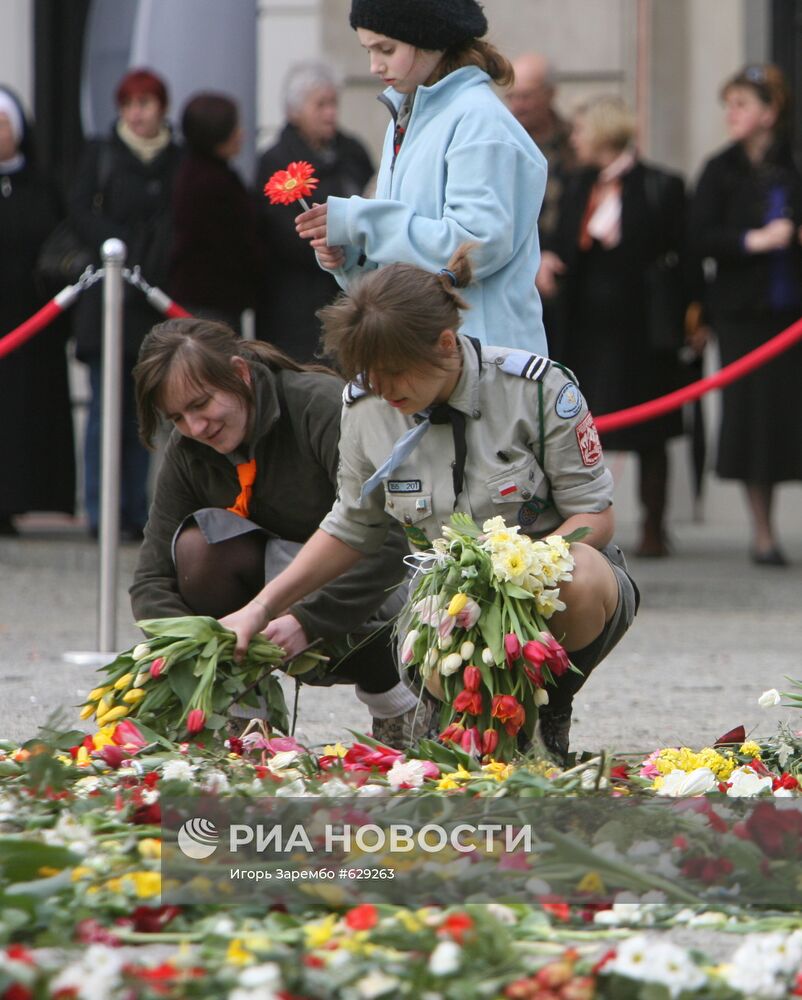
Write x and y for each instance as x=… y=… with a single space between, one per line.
x=713 y=632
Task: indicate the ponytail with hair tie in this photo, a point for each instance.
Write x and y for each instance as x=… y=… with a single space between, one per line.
x=448 y=274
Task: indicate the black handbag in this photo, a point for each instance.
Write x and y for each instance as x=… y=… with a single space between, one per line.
x=64 y=256
x=666 y=298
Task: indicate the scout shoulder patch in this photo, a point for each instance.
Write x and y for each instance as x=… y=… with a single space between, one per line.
x=569 y=401
x=523 y=364
x=353 y=392
x=588 y=440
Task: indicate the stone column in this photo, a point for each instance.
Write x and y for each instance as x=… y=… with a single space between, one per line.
x=16 y=47
x=288 y=31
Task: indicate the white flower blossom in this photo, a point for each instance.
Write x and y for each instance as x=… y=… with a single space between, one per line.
x=260 y=993
x=445 y=959
x=266 y=974
x=504 y=914
x=761 y=965
x=679 y=783
x=283 y=759
x=651 y=960
x=406 y=647
x=450 y=664
x=770 y=698
x=178 y=770
x=411 y=773
x=376 y=984
x=94 y=975
x=214 y=782
x=745 y=783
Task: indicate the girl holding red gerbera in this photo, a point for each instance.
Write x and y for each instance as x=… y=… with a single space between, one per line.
x=456 y=164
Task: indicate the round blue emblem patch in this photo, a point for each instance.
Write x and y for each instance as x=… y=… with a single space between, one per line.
x=569 y=402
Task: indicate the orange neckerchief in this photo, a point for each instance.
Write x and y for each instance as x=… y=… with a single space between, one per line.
x=246 y=473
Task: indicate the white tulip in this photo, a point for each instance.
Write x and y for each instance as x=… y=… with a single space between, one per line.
x=487 y=657
x=450 y=664
x=445 y=959
x=466 y=650
x=770 y=698
x=406 y=647
x=541 y=697
x=431 y=659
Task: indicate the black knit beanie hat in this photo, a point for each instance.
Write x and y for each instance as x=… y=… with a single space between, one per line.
x=426 y=24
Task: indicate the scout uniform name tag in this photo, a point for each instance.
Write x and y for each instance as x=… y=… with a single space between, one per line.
x=404 y=485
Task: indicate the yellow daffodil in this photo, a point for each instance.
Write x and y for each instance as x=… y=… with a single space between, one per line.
x=409 y=921
x=319 y=933
x=591 y=882
x=150 y=848
x=498 y=770
x=237 y=954
x=447 y=783
x=144 y=884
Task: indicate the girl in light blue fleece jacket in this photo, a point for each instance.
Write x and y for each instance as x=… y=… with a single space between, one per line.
x=456 y=167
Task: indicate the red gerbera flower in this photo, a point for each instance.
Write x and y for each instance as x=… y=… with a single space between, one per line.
x=295 y=183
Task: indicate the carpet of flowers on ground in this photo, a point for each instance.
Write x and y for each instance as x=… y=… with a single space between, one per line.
x=81 y=914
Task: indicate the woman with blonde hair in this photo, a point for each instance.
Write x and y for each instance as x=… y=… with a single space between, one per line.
x=456 y=166
x=620 y=221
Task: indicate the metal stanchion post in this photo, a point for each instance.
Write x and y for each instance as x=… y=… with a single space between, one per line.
x=113 y=253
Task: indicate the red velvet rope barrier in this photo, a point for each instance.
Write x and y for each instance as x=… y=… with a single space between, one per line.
x=737 y=369
x=30 y=327
x=175 y=311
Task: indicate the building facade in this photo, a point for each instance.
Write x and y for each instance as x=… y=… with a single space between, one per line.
x=666 y=57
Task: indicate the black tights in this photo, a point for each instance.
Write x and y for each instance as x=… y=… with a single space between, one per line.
x=219 y=578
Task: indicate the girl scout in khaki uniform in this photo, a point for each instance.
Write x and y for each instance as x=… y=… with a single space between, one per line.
x=433 y=423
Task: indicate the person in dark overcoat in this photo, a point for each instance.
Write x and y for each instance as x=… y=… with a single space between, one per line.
x=216 y=260
x=123 y=189
x=746 y=215
x=36 y=446
x=294 y=287
x=617 y=217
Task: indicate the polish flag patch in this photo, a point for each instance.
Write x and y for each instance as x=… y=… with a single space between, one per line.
x=588 y=439
x=506 y=489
